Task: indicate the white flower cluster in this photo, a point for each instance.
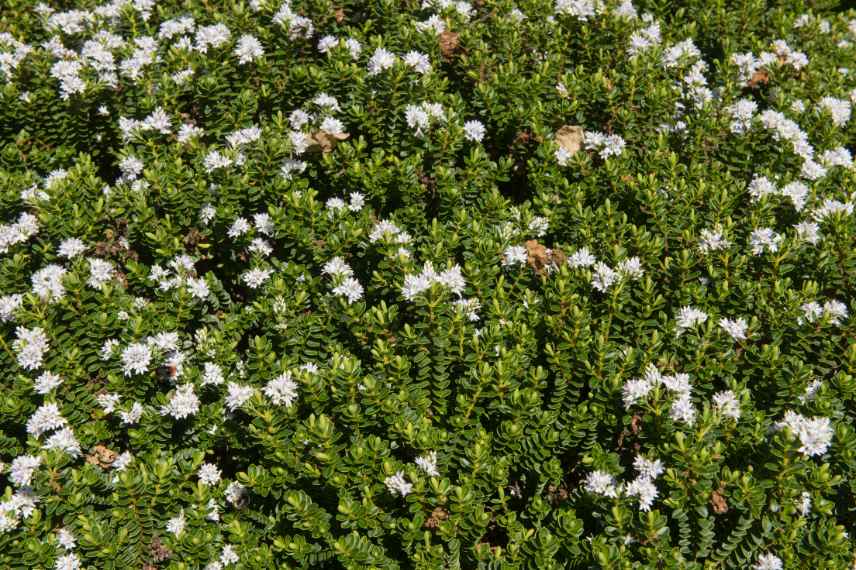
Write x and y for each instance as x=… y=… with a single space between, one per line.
x=428 y=464
x=764 y=239
x=834 y=310
x=282 y=390
x=346 y=285
x=604 y=277
x=158 y=121
x=22 y=503
x=736 y=328
x=689 y=317
x=644 y=39
x=451 y=278
x=398 y=485
x=605 y=145
x=357 y=200
x=182 y=403
x=815 y=434
x=31 y=346
x=388 y=232
x=642 y=487
x=23 y=229
x=581 y=9
x=768 y=562
x=638 y=389
x=420 y=117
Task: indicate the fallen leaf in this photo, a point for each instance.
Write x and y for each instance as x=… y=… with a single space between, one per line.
x=101 y=456
x=340 y=15
x=438 y=515
x=636 y=424
x=537 y=255
x=760 y=77
x=324 y=141
x=570 y=138
x=448 y=43
x=718 y=502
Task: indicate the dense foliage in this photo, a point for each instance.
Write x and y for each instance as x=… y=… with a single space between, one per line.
x=345 y=284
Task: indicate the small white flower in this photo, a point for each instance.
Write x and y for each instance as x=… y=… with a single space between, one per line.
x=689 y=317
x=768 y=562
x=254 y=278
x=645 y=490
x=228 y=555
x=31 y=346
x=736 y=328
x=601 y=483
x=727 y=404
x=282 y=390
x=47 y=382
x=71 y=247
x=8 y=305
x=418 y=61
x=581 y=258
x=604 y=277
x=68 y=561
x=213 y=374
x=474 y=131
x=175 y=525
x=235 y=492
x=47 y=282
x=65 y=538
x=381 y=60
x=349 y=288
x=108 y=401
x=209 y=474
x=100 y=272
x=514 y=255
x=248 y=49
x=182 y=404
x=132 y=416
x=136 y=359
x=428 y=463
x=398 y=485
x=46 y=418
x=237 y=395
x=647 y=468
x=711 y=240
x=22 y=469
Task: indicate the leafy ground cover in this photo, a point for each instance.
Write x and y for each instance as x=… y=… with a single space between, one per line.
x=492 y=284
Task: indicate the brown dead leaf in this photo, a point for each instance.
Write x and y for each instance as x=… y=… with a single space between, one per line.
x=558 y=257
x=101 y=456
x=557 y=495
x=718 y=502
x=448 y=43
x=538 y=256
x=324 y=141
x=159 y=551
x=438 y=515
x=570 y=138
x=340 y=15
x=760 y=77
x=636 y=423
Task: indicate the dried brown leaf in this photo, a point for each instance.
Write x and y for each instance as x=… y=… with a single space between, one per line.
x=720 y=506
x=101 y=456
x=449 y=43
x=570 y=138
x=760 y=77
x=325 y=142
x=537 y=255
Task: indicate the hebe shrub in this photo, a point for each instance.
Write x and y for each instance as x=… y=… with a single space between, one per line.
x=346 y=284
